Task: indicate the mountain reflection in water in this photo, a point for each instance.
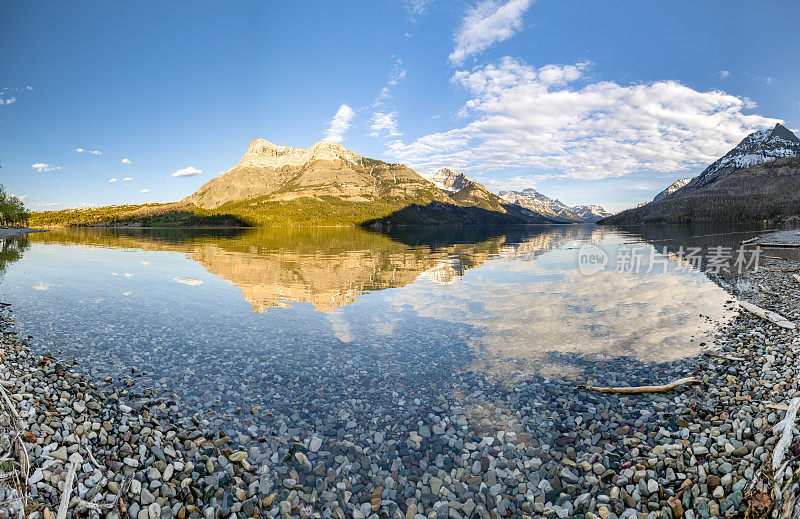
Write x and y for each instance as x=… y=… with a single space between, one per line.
x=514 y=296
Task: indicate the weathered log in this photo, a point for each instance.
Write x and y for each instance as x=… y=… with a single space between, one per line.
x=768 y=315
x=780 y=245
x=635 y=390
x=784 y=428
x=724 y=357
x=63 y=507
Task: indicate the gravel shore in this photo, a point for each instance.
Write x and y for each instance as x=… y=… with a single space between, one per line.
x=541 y=448
x=787 y=237
x=10 y=232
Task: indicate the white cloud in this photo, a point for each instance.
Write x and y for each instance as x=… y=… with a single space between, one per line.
x=187 y=172
x=127 y=161
x=396 y=75
x=127 y=179
x=724 y=74
x=144 y=191
x=96 y=152
x=188 y=281
x=80 y=150
x=91 y=152
x=384 y=124
x=112 y=179
x=417 y=7
x=5 y=94
x=41 y=167
x=484 y=25
x=340 y=123
x=539 y=118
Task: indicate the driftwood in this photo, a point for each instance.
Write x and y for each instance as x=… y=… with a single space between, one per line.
x=784 y=427
x=723 y=357
x=768 y=315
x=89 y=454
x=780 y=245
x=63 y=507
x=761 y=287
x=104 y=507
x=643 y=389
x=18 y=446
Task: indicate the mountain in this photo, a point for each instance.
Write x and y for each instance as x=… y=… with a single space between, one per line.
x=672 y=188
x=589 y=213
x=328 y=184
x=531 y=199
x=467 y=193
x=757 y=148
x=326 y=169
x=723 y=198
x=448 y=179
x=764 y=192
x=555 y=209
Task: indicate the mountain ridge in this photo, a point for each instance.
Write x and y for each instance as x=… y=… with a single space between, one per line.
x=723 y=183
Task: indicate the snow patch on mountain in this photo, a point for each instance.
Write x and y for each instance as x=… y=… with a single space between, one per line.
x=589 y=213
x=757 y=148
x=448 y=180
x=672 y=188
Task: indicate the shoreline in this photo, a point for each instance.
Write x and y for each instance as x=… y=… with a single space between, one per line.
x=692 y=453
x=11 y=232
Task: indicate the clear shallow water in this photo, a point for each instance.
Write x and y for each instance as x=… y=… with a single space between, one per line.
x=313 y=325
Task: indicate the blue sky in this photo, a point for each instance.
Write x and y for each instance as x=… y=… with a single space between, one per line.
x=589 y=102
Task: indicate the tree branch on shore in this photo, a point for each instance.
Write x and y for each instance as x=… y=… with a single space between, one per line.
x=643 y=389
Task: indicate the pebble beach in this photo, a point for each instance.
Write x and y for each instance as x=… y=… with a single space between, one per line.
x=535 y=448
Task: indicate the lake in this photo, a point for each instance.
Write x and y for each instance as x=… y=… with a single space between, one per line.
x=418 y=350
x=311 y=324
x=348 y=333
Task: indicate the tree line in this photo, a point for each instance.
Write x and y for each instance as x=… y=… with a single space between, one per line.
x=12 y=210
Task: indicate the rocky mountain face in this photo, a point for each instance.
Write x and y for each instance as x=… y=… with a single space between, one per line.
x=555 y=209
x=764 y=192
x=533 y=200
x=448 y=179
x=671 y=189
x=283 y=173
x=757 y=148
x=467 y=193
x=328 y=184
x=712 y=188
x=589 y=213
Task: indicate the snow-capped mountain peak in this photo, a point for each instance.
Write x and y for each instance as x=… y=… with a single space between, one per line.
x=590 y=213
x=757 y=148
x=448 y=179
x=531 y=199
x=672 y=188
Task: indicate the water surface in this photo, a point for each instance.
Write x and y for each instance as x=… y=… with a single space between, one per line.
x=315 y=324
